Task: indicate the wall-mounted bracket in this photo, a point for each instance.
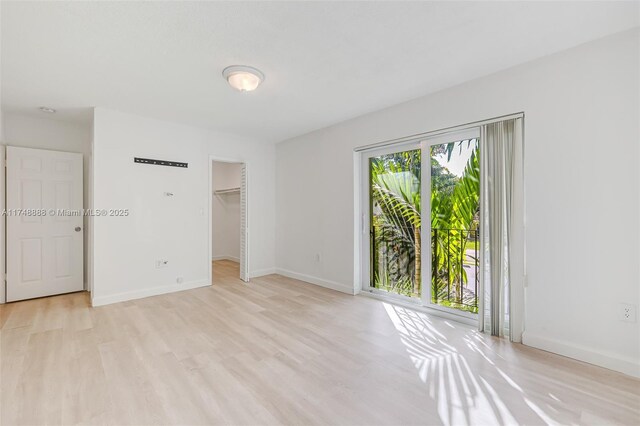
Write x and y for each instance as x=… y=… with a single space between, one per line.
x=160 y=162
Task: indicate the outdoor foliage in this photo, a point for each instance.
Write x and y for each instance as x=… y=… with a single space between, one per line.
x=396 y=205
x=395 y=180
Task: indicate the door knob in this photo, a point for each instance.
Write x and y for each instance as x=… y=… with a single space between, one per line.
x=78 y=229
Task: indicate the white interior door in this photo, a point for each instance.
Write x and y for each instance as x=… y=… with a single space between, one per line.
x=244 y=227
x=44 y=223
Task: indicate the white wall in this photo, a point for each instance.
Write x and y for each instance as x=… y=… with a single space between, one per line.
x=46 y=133
x=174 y=228
x=582 y=191
x=226 y=211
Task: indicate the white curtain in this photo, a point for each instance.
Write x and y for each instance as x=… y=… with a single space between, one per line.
x=496 y=195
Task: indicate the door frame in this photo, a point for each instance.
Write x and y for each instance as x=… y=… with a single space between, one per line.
x=519 y=269
x=4 y=227
x=423 y=144
x=3 y=224
x=244 y=253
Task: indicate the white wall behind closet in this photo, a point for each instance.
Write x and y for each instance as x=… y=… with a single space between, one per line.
x=582 y=191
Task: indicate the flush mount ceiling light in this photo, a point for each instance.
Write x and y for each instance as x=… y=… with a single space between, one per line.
x=47 y=110
x=243 y=78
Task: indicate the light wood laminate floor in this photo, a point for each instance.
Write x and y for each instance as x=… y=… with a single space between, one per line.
x=279 y=351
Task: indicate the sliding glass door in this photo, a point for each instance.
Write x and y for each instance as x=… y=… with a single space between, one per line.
x=393 y=193
x=435 y=261
x=454 y=234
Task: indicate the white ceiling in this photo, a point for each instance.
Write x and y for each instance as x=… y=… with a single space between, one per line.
x=324 y=62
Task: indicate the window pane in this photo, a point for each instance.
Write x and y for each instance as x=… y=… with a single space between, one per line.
x=394 y=184
x=455 y=214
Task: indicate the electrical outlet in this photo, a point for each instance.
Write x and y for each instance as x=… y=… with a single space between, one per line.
x=628 y=313
x=161 y=263
x=318 y=257
x=179 y=280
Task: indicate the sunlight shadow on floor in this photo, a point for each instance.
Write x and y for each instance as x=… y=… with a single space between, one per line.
x=468 y=389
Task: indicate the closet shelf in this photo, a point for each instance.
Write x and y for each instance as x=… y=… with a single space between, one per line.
x=227 y=191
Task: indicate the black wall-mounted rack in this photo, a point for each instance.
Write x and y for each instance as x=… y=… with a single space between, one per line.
x=160 y=162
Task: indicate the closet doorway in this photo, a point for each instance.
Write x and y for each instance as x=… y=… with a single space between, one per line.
x=228 y=216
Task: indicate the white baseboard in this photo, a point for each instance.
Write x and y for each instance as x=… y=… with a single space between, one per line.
x=592 y=356
x=231 y=258
x=317 y=281
x=262 y=272
x=147 y=292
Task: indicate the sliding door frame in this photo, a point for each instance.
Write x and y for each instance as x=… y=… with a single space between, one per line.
x=361 y=235
x=424 y=145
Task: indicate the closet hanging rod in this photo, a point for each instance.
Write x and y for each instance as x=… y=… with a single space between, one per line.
x=226 y=191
